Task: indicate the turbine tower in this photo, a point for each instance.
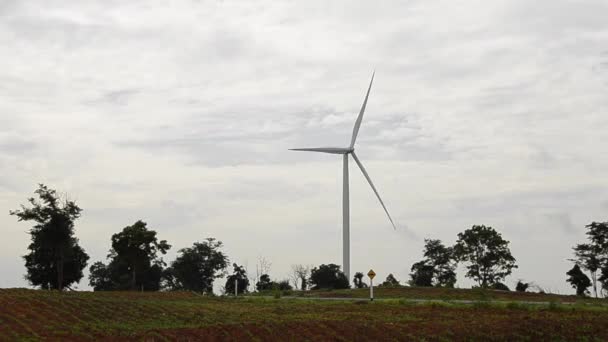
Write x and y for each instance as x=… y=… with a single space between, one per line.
x=345 y=152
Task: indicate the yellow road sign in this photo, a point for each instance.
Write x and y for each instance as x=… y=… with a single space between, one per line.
x=371 y=274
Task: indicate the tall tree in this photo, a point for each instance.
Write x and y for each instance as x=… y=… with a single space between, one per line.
x=438 y=260
x=197 y=267
x=134 y=261
x=578 y=280
x=487 y=253
x=264 y=284
x=422 y=274
x=588 y=256
x=300 y=274
x=593 y=256
x=328 y=277
x=442 y=259
x=55 y=259
x=239 y=275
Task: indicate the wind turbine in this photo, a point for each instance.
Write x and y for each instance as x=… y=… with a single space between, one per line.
x=345 y=152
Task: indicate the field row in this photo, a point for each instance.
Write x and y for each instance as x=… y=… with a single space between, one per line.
x=29 y=314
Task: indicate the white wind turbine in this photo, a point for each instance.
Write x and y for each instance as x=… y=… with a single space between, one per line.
x=345 y=151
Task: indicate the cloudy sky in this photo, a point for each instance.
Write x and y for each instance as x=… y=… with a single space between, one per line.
x=181 y=113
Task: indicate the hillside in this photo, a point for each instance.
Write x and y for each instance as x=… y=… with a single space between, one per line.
x=80 y=316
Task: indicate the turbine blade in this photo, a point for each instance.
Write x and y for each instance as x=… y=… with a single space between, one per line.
x=332 y=150
x=360 y=117
x=373 y=188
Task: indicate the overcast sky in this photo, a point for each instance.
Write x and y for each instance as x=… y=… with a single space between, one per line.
x=181 y=113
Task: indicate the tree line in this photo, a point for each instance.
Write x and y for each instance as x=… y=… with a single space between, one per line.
x=134 y=262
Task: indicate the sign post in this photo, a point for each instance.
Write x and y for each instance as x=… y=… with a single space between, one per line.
x=371 y=274
x=236 y=287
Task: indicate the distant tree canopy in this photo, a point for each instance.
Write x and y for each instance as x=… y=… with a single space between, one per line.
x=240 y=275
x=593 y=256
x=390 y=281
x=487 y=253
x=521 y=286
x=358 y=280
x=265 y=284
x=328 y=277
x=134 y=261
x=437 y=268
x=422 y=274
x=55 y=260
x=578 y=280
x=300 y=273
x=500 y=286
x=196 y=267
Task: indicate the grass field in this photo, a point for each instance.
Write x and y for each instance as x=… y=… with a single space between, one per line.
x=448 y=294
x=37 y=315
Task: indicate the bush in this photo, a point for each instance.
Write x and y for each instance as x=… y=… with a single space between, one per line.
x=328 y=277
x=521 y=286
x=500 y=286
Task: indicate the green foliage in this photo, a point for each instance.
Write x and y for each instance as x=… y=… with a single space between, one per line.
x=500 y=286
x=328 y=277
x=240 y=275
x=358 y=281
x=284 y=286
x=422 y=274
x=134 y=261
x=196 y=267
x=55 y=259
x=593 y=256
x=391 y=281
x=264 y=284
x=521 y=286
x=578 y=280
x=487 y=253
x=438 y=268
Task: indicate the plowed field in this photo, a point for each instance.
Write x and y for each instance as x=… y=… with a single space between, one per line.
x=82 y=316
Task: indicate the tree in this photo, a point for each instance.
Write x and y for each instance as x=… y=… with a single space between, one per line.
x=284 y=285
x=299 y=273
x=358 y=281
x=593 y=256
x=588 y=256
x=422 y=274
x=604 y=279
x=441 y=258
x=487 y=253
x=438 y=264
x=240 y=275
x=521 y=286
x=391 y=281
x=262 y=267
x=100 y=277
x=197 y=267
x=55 y=259
x=134 y=261
x=264 y=284
x=500 y=286
x=328 y=277
x=578 y=280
